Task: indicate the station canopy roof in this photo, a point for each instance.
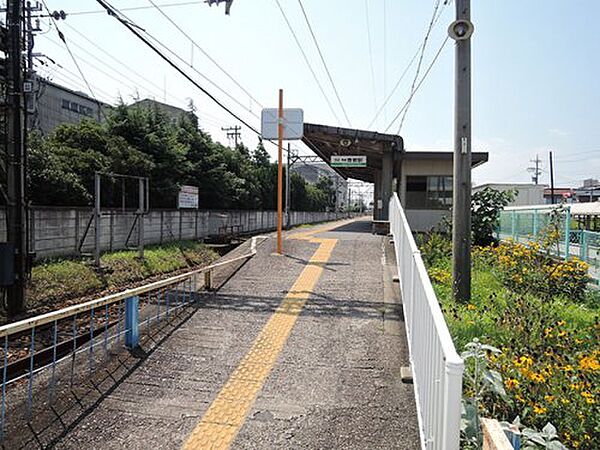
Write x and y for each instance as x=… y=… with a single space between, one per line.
x=327 y=141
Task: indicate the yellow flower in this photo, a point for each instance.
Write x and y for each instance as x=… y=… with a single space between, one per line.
x=589 y=363
x=511 y=383
x=549 y=398
x=471 y=307
x=539 y=409
x=589 y=397
x=523 y=361
x=536 y=377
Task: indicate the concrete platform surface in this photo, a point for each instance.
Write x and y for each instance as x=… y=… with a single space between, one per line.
x=300 y=351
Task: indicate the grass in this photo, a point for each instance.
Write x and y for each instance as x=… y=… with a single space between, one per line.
x=59 y=280
x=550 y=349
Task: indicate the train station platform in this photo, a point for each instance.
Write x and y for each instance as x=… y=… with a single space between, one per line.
x=296 y=351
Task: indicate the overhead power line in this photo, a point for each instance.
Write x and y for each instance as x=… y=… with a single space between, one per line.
x=134 y=30
x=62 y=38
x=314 y=37
x=416 y=89
x=373 y=84
x=205 y=53
x=420 y=49
x=306 y=60
x=124 y=65
x=133 y=8
x=423 y=47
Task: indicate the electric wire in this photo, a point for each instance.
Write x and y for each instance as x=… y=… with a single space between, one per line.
x=74 y=80
x=213 y=83
x=62 y=38
x=122 y=79
x=416 y=89
x=204 y=52
x=404 y=72
x=306 y=60
x=419 y=64
x=112 y=12
x=124 y=65
x=373 y=84
x=314 y=37
x=133 y=8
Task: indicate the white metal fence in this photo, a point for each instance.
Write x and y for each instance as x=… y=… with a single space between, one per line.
x=436 y=366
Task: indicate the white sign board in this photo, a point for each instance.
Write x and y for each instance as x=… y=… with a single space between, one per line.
x=188 y=197
x=348 y=161
x=293 y=123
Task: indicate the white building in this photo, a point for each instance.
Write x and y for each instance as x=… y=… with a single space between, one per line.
x=527 y=193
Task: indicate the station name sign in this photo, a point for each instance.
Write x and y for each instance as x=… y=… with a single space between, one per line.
x=348 y=161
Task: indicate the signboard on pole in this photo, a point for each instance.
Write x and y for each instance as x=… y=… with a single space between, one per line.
x=293 y=123
x=348 y=161
x=188 y=197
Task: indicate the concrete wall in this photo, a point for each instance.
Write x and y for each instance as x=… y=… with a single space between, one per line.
x=58 y=231
x=423 y=219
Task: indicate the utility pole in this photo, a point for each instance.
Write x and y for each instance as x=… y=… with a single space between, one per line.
x=551 y=179
x=535 y=171
x=279 y=171
x=287 y=187
x=17 y=214
x=233 y=132
x=461 y=31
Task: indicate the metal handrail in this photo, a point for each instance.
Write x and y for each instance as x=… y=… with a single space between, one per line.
x=436 y=366
x=36 y=321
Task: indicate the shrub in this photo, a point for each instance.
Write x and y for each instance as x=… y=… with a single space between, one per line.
x=526 y=269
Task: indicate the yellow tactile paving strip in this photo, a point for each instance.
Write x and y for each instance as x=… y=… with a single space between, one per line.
x=227 y=413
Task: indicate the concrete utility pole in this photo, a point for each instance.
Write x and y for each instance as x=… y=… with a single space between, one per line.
x=535 y=171
x=17 y=213
x=233 y=132
x=461 y=31
x=287 y=186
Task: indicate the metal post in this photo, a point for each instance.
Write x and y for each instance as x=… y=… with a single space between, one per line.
x=207 y=280
x=535 y=223
x=279 y=171
x=142 y=205
x=15 y=180
x=97 y=219
x=132 y=322
x=551 y=179
x=567 y=231
x=461 y=210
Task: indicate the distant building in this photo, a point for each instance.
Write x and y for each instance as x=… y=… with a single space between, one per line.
x=561 y=195
x=172 y=112
x=312 y=172
x=527 y=193
x=58 y=104
x=589 y=192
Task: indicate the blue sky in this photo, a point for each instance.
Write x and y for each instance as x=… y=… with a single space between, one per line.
x=536 y=70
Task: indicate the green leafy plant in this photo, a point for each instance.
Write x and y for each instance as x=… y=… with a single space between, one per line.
x=479 y=381
x=532 y=439
x=485 y=211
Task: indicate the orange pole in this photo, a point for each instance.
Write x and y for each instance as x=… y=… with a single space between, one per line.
x=280 y=173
